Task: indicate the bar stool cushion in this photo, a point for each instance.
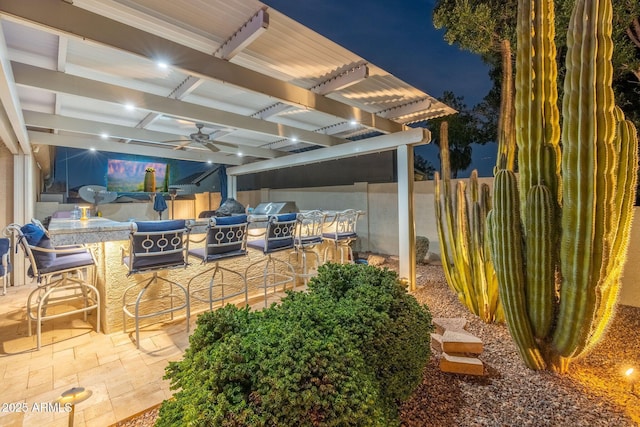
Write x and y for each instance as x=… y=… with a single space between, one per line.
x=340 y=236
x=35 y=236
x=69 y=262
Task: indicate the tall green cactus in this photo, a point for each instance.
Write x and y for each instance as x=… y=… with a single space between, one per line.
x=559 y=238
x=469 y=272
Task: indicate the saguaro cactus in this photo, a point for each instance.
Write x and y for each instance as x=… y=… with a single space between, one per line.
x=465 y=254
x=559 y=238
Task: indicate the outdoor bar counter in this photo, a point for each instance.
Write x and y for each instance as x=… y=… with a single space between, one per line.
x=106 y=238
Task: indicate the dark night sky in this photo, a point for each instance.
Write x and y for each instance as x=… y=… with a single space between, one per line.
x=399 y=37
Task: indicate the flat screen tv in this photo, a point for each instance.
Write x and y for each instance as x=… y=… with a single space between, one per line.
x=126 y=176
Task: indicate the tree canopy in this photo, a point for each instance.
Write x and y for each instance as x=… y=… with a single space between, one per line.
x=479 y=26
x=465 y=128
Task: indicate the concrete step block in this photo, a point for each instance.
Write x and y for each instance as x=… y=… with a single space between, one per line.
x=449 y=323
x=436 y=342
x=457 y=364
x=461 y=342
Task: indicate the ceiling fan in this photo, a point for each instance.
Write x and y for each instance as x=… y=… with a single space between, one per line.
x=199 y=137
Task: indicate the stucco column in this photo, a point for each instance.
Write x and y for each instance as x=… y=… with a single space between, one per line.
x=406 y=224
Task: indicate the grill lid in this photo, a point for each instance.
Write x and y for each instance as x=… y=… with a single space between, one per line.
x=275 y=208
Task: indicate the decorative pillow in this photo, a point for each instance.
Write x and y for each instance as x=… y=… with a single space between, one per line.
x=35 y=236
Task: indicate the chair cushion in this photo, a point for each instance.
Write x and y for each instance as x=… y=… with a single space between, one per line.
x=147 y=226
x=311 y=240
x=142 y=263
x=340 y=236
x=35 y=236
x=199 y=253
x=68 y=262
x=230 y=220
x=274 y=245
x=286 y=217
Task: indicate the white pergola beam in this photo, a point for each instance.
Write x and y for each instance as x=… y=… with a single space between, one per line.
x=70 y=124
x=350 y=149
x=342 y=80
x=61 y=16
x=242 y=38
x=15 y=134
x=54 y=81
x=83 y=142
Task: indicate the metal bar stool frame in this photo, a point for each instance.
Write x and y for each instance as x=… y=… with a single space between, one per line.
x=308 y=238
x=278 y=236
x=155 y=246
x=343 y=235
x=226 y=238
x=5 y=269
x=59 y=282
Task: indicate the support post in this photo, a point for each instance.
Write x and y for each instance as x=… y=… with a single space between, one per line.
x=406 y=224
x=232 y=186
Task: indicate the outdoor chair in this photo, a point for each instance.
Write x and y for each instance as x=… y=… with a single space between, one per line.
x=343 y=235
x=278 y=236
x=60 y=274
x=155 y=246
x=226 y=238
x=308 y=237
x=5 y=265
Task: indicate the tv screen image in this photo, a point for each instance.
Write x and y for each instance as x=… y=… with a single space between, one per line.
x=128 y=175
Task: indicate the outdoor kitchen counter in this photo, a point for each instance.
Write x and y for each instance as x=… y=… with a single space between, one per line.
x=98 y=230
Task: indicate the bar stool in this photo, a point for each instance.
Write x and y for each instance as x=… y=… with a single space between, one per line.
x=155 y=246
x=226 y=238
x=5 y=265
x=344 y=234
x=278 y=236
x=308 y=237
x=59 y=273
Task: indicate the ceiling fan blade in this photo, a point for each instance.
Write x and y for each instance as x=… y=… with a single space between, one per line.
x=210 y=146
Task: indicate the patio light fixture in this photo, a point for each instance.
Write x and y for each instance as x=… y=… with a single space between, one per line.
x=632 y=380
x=72 y=397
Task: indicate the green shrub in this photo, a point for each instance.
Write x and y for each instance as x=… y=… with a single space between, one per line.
x=342 y=354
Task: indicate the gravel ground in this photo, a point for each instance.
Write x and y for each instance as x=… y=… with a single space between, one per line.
x=594 y=393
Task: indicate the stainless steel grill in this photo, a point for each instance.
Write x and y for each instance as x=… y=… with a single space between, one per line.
x=275 y=208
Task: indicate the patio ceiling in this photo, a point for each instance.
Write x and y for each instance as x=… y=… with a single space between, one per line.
x=85 y=73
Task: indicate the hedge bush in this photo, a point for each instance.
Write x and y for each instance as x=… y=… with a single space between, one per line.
x=344 y=353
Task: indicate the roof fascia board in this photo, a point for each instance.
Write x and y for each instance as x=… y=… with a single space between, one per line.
x=83 y=23
x=116 y=147
x=357 y=148
x=55 y=81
